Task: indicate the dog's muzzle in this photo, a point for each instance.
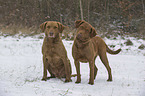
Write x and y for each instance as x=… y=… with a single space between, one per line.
x=51 y=35
x=79 y=36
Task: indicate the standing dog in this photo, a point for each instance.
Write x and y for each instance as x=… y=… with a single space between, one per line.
x=55 y=58
x=87 y=45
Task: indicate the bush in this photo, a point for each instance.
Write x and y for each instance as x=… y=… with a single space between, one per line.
x=128 y=43
x=142 y=46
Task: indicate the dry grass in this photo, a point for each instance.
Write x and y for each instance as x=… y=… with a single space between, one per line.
x=21 y=30
x=68 y=33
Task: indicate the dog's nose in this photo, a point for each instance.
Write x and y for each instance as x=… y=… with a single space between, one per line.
x=51 y=33
x=79 y=35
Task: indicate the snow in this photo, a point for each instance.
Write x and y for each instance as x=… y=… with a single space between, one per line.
x=21 y=70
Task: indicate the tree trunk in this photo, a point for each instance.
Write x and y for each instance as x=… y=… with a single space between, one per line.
x=81 y=9
x=107 y=13
x=143 y=16
x=88 y=10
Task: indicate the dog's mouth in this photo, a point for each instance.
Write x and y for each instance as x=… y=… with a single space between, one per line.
x=51 y=36
x=82 y=39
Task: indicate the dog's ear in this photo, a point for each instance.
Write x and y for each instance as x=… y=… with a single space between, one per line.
x=78 y=23
x=60 y=27
x=43 y=26
x=93 y=32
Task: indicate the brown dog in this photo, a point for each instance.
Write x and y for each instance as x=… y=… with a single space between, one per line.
x=55 y=58
x=87 y=45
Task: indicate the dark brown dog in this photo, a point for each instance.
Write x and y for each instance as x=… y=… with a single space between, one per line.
x=87 y=45
x=55 y=58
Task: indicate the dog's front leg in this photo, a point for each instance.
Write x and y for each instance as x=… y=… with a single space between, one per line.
x=44 y=69
x=91 y=65
x=77 y=64
x=67 y=70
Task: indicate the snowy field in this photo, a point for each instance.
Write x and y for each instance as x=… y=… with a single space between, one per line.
x=21 y=71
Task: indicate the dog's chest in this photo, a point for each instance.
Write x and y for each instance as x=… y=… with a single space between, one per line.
x=52 y=51
x=82 y=56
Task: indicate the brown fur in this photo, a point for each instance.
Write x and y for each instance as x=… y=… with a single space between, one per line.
x=55 y=58
x=87 y=45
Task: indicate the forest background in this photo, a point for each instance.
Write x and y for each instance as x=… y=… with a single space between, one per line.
x=109 y=17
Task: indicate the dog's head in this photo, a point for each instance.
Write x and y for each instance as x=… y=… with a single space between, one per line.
x=52 y=28
x=84 y=30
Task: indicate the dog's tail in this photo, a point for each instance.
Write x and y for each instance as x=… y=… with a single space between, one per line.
x=111 y=51
x=73 y=75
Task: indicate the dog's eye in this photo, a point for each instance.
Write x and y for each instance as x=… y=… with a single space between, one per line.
x=55 y=27
x=48 y=26
x=87 y=30
x=81 y=27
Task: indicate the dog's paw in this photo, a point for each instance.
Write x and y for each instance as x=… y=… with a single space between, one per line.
x=77 y=82
x=109 y=80
x=68 y=80
x=44 y=79
x=91 y=83
x=50 y=77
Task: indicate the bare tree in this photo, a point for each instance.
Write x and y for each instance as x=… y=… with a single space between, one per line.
x=143 y=16
x=81 y=9
x=88 y=10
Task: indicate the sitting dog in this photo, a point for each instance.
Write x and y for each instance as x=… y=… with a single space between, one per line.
x=55 y=58
x=87 y=45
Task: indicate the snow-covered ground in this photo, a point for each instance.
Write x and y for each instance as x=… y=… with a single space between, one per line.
x=21 y=71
